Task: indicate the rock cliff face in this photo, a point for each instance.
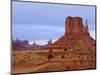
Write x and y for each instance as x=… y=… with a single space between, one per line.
x=74 y=25
x=75 y=31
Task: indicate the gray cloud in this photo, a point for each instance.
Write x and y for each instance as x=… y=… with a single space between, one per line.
x=36 y=21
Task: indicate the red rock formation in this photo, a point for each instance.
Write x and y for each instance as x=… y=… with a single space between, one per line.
x=74 y=25
x=74 y=32
x=86 y=29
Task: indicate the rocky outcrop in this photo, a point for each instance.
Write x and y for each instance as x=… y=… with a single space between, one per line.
x=74 y=25
x=75 y=31
x=78 y=43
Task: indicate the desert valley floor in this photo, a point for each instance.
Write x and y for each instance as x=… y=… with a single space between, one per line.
x=56 y=60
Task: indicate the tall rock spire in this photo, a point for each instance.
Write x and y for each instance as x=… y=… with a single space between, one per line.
x=86 y=29
x=68 y=25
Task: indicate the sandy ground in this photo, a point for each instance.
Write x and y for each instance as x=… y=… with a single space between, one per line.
x=50 y=66
x=41 y=64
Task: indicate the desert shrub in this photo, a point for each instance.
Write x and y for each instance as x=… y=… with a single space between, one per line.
x=65 y=49
x=62 y=56
x=92 y=56
x=50 y=56
x=87 y=57
x=88 y=49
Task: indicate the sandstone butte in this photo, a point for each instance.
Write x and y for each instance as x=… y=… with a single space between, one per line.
x=76 y=34
x=76 y=43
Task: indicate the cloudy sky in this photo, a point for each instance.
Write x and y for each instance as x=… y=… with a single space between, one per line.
x=40 y=22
